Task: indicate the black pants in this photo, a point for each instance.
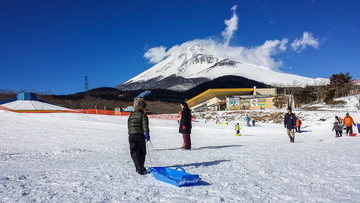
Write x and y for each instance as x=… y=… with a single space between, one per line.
x=349 y=129
x=138 y=150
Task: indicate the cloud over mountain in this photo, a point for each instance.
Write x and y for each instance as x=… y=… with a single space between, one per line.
x=261 y=55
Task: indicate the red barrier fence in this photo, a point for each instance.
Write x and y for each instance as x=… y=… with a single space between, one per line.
x=102 y=112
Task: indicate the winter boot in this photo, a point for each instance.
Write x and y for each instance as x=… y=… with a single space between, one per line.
x=141 y=171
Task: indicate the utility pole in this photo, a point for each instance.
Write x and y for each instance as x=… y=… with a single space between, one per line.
x=86 y=84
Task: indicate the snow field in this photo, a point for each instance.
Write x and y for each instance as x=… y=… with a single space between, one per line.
x=85 y=158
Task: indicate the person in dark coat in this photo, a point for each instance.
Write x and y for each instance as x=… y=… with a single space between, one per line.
x=185 y=124
x=290 y=124
x=138 y=126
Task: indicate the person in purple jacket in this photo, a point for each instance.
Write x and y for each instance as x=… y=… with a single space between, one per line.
x=337 y=129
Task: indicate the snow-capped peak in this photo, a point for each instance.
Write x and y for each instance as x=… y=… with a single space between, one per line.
x=197 y=62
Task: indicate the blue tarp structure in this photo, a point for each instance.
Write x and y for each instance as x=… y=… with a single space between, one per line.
x=26 y=96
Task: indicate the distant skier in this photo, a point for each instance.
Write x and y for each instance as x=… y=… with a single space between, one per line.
x=298 y=125
x=348 y=121
x=340 y=123
x=138 y=126
x=237 y=128
x=185 y=125
x=253 y=122
x=290 y=124
x=358 y=127
x=337 y=129
x=247 y=120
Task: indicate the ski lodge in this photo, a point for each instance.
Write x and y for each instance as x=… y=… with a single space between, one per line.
x=233 y=99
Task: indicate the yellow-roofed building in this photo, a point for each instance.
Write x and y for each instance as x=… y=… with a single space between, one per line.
x=233 y=99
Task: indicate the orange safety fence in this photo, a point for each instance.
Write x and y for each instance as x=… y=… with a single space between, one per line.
x=165 y=116
x=86 y=111
x=95 y=111
x=102 y=112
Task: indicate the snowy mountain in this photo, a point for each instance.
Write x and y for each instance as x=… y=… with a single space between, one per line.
x=195 y=64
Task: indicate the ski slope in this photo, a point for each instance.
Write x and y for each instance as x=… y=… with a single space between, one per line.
x=85 y=158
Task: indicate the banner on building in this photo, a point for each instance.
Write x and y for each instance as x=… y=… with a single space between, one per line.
x=254 y=103
x=262 y=102
x=245 y=104
x=234 y=103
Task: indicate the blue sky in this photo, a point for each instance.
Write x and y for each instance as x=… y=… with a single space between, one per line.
x=52 y=45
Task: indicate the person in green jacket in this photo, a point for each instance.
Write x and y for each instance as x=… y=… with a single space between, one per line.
x=138 y=126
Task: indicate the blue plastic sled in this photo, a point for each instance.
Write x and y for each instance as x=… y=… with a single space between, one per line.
x=176 y=176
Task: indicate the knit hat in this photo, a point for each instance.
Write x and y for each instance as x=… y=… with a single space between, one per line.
x=289 y=108
x=139 y=104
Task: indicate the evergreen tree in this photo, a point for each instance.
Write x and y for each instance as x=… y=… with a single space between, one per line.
x=339 y=85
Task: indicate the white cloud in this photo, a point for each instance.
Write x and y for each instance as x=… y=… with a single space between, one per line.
x=231 y=26
x=261 y=55
x=307 y=39
x=156 y=54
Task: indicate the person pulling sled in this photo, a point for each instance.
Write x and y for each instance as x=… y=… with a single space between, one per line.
x=138 y=130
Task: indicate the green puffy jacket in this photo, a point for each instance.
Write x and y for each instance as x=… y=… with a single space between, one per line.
x=138 y=123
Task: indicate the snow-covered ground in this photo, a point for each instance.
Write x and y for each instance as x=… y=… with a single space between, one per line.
x=85 y=158
x=351 y=104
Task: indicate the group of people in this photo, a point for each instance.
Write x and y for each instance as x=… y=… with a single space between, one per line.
x=139 y=132
x=345 y=123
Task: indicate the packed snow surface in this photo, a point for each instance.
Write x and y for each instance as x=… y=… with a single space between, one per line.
x=32 y=105
x=85 y=158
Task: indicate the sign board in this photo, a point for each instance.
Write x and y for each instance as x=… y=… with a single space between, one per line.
x=234 y=103
x=262 y=102
x=129 y=109
x=245 y=104
x=254 y=103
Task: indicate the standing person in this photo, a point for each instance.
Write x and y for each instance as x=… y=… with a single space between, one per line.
x=253 y=122
x=237 y=128
x=340 y=123
x=358 y=127
x=298 y=125
x=138 y=126
x=247 y=120
x=348 y=121
x=290 y=124
x=337 y=129
x=185 y=125
x=217 y=120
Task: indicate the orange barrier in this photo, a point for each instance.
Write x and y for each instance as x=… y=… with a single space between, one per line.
x=4 y=108
x=102 y=112
x=86 y=111
x=165 y=116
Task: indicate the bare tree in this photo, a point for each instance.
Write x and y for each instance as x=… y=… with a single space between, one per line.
x=319 y=87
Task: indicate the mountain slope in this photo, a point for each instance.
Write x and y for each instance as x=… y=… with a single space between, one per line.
x=195 y=64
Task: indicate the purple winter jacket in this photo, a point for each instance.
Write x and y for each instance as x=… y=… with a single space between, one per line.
x=336 y=127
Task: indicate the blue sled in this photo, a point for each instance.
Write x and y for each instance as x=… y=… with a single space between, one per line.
x=176 y=176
